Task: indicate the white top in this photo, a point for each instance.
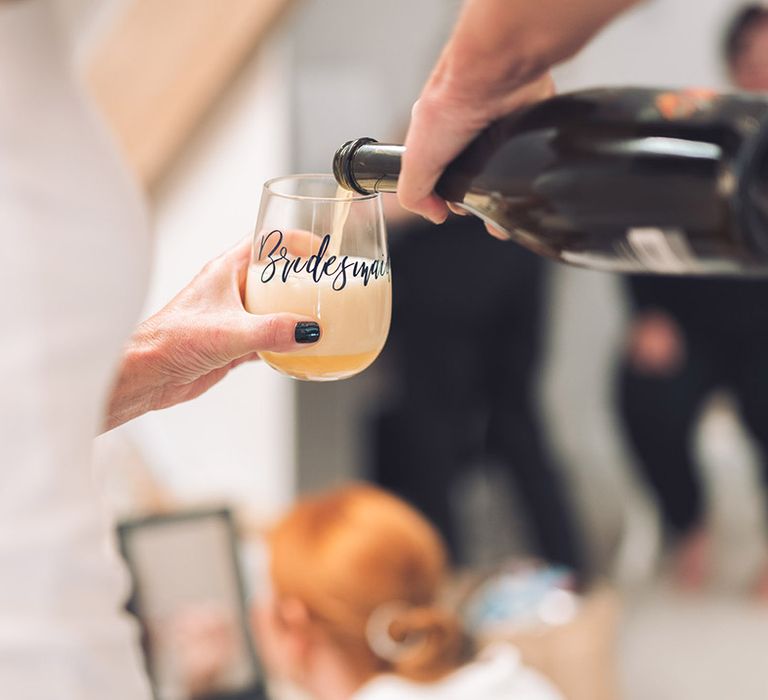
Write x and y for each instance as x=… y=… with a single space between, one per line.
x=497 y=674
x=73 y=251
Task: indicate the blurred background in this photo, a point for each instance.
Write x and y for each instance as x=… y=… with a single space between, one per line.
x=211 y=99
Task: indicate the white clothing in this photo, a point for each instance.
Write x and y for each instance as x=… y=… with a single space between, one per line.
x=73 y=268
x=498 y=674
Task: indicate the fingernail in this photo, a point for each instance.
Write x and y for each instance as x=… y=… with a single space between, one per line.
x=307 y=332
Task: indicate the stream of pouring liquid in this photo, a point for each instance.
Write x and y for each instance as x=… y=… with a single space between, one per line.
x=341 y=209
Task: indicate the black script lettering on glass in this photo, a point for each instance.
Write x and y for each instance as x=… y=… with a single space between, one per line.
x=317 y=266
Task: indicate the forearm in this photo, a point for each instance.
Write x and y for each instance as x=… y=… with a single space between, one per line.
x=500 y=44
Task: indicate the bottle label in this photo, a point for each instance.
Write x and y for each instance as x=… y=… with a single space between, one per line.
x=661 y=250
x=683 y=104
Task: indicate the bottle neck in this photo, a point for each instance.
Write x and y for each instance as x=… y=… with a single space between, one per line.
x=367 y=166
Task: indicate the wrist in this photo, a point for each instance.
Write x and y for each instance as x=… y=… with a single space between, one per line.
x=137 y=388
x=490 y=90
x=493 y=51
x=473 y=71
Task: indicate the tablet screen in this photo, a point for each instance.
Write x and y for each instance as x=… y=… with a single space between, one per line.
x=188 y=597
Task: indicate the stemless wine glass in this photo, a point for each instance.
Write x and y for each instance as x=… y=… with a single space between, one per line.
x=321 y=252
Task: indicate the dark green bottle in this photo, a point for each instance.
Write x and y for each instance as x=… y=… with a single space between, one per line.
x=625 y=180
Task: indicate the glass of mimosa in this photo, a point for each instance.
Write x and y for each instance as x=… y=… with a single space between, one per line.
x=321 y=251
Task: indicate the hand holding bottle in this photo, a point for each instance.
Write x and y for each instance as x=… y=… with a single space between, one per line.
x=495 y=62
x=441 y=127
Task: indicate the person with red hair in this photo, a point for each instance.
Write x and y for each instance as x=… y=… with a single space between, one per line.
x=353 y=611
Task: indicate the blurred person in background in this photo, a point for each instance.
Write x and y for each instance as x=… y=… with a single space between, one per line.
x=687 y=339
x=746 y=48
x=473 y=400
x=354 y=612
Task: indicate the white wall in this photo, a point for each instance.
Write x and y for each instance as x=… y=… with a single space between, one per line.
x=236 y=441
x=83 y=21
x=667 y=43
x=359 y=68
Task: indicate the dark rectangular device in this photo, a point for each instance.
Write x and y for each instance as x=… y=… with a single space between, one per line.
x=188 y=596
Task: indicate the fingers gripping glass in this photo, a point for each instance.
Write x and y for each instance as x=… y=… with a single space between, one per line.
x=321 y=252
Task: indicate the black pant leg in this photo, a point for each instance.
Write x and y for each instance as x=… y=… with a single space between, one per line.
x=659 y=413
x=746 y=356
x=515 y=434
x=417 y=459
x=515 y=438
x=428 y=438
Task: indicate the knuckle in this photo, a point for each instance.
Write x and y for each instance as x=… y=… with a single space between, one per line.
x=429 y=105
x=273 y=332
x=209 y=269
x=408 y=199
x=215 y=266
x=217 y=337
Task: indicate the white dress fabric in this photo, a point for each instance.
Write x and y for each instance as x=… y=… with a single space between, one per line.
x=73 y=269
x=498 y=674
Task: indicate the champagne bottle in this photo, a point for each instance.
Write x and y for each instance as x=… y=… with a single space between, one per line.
x=625 y=179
